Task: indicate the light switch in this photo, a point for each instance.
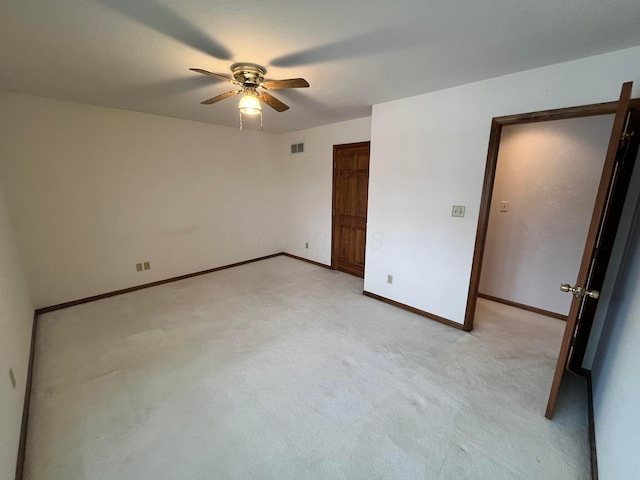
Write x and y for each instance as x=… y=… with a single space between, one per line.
x=504 y=206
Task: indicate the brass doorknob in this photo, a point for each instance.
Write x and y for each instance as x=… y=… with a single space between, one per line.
x=580 y=292
x=595 y=294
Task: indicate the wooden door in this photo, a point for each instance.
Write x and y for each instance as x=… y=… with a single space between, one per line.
x=625 y=162
x=350 y=193
x=603 y=219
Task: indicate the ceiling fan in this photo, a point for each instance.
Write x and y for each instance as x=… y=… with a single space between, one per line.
x=250 y=77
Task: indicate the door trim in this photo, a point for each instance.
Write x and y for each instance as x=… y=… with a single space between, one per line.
x=497 y=124
x=334 y=244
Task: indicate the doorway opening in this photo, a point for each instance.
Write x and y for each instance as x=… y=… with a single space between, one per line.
x=545 y=187
x=350 y=199
x=498 y=124
x=611 y=193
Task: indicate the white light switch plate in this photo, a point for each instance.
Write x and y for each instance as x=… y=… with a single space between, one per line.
x=504 y=206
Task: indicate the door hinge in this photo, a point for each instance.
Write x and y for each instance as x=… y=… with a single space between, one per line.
x=625 y=142
x=626 y=137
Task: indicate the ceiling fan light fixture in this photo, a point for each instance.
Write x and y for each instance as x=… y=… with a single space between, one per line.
x=250 y=104
x=249 y=77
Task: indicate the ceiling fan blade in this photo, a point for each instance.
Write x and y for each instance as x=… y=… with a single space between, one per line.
x=214 y=75
x=289 y=83
x=272 y=101
x=222 y=96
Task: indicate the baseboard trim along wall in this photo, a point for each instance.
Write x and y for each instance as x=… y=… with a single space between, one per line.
x=307 y=260
x=430 y=316
x=80 y=301
x=22 y=445
x=521 y=306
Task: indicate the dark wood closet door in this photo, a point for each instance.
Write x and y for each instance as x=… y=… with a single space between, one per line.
x=350 y=193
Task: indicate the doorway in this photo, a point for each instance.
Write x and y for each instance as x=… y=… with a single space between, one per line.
x=497 y=126
x=546 y=181
x=618 y=166
x=350 y=199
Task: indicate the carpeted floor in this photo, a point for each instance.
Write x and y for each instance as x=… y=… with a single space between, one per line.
x=283 y=370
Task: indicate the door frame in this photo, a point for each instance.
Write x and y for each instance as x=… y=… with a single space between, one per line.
x=334 y=243
x=497 y=124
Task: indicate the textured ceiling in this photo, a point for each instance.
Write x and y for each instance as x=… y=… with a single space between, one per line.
x=135 y=54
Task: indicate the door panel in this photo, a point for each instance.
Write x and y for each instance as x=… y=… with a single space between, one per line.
x=362 y=193
x=601 y=212
x=345 y=243
x=359 y=238
x=350 y=195
x=625 y=162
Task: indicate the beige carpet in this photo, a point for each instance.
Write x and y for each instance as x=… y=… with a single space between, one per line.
x=284 y=370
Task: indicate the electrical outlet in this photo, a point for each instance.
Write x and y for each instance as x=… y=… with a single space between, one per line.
x=138 y=267
x=457 y=211
x=389 y=279
x=13 y=378
x=306 y=245
x=504 y=206
x=147 y=265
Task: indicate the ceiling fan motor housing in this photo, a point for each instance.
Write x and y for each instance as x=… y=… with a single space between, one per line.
x=248 y=74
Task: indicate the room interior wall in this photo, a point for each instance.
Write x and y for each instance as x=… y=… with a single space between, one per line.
x=309 y=186
x=429 y=153
x=615 y=373
x=95 y=190
x=549 y=173
x=16 y=319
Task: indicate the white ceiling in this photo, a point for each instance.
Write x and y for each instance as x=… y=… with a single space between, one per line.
x=135 y=54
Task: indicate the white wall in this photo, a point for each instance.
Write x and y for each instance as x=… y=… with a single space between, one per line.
x=16 y=318
x=616 y=381
x=429 y=153
x=309 y=185
x=549 y=173
x=95 y=190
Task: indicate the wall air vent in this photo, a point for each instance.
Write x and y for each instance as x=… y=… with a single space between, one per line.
x=297 y=148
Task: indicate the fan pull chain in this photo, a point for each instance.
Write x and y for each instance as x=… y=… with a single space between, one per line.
x=261 y=128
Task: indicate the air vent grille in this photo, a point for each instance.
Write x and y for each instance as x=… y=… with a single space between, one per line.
x=297 y=148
